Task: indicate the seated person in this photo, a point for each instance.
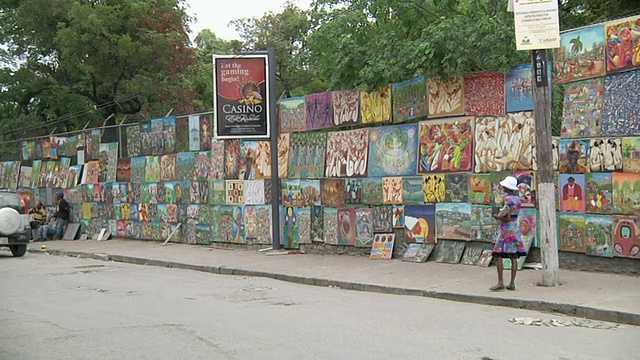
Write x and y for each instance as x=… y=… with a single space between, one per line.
x=50 y=229
x=39 y=215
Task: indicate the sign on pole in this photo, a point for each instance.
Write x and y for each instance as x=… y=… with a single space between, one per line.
x=241 y=96
x=537 y=24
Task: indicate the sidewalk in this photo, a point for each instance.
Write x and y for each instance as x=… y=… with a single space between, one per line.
x=605 y=297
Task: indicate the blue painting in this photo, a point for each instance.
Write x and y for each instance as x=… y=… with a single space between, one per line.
x=393 y=150
x=519 y=87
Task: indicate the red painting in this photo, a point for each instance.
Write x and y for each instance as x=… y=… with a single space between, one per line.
x=445 y=145
x=484 y=94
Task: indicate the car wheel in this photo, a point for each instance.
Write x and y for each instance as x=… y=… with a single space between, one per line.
x=18 y=250
x=10 y=221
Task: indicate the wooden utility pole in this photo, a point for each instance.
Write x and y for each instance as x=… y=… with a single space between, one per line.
x=546 y=188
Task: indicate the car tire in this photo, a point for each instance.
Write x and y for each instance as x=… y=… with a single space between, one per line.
x=18 y=250
x=10 y=221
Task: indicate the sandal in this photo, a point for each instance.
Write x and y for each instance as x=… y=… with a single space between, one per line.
x=511 y=287
x=497 y=288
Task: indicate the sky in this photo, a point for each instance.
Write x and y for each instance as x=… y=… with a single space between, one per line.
x=216 y=14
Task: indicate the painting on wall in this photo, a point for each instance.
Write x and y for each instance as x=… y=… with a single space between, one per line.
x=582 y=108
x=169 y=134
x=626 y=193
x=317 y=224
x=247 y=168
x=448 y=251
x=626 y=237
x=572 y=232
x=318 y=110
x=304 y=225
x=133 y=140
x=479 y=188
x=605 y=154
x=353 y=191
x=306 y=155
x=572 y=193
x=347 y=153
x=483 y=225
x=346 y=226
x=364 y=227
x=333 y=192
x=182 y=134
x=235 y=192
x=346 y=108
x=519 y=88
x=412 y=190
x=526 y=187
x=232 y=158
x=445 y=145
x=393 y=150
x=398 y=216
x=456 y=188
x=382 y=218
x=330 y=225
x=580 y=55
x=409 y=99
x=201 y=165
x=168 y=167
x=446 y=98
x=194 y=133
x=291 y=115
x=434 y=188
x=599 y=190
x=311 y=193
x=623 y=44
x=372 y=191
x=392 y=190
x=263 y=160
x=254 y=192
x=574 y=156
x=290 y=192
x=382 y=246
x=484 y=94
x=217 y=160
x=505 y=143
x=630 y=150
x=599 y=238
x=375 y=107
x=621 y=117
x=453 y=221
x=283 y=155
x=206 y=132
x=420 y=223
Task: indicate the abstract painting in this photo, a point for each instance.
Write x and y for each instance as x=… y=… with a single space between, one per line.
x=630 y=151
x=382 y=218
x=434 y=188
x=626 y=237
x=456 y=189
x=446 y=98
x=621 y=96
x=304 y=225
x=353 y=191
x=484 y=94
x=372 y=191
x=347 y=153
x=333 y=192
x=393 y=150
x=346 y=226
x=445 y=145
x=582 y=108
x=392 y=190
x=623 y=44
x=448 y=251
x=572 y=232
x=526 y=181
x=291 y=115
x=599 y=192
x=317 y=224
x=479 y=188
x=364 y=227
x=375 y=107
x=330 y=225
x=247 y=166
x=418 y=253
x=318 y=110
x=574 y=156
x=580 y=55
x=306 y=155
x=382 y=247
x=599 y=236
x=409 y=99
x=398 y=216
x=453 y=221
x=283 y=155
x=311 y=194
x=626 y=193
x=505 y=143
x=346 y=108
x=605 y=154
x=235 y=192
x=232 y=159
x=572 y=193
x=254 y=192
x=290 y=192
x=519 y=88
x=420 y=223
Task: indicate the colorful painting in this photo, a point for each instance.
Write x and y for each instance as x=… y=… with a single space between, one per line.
x=420 y=223
x=347 y=226
x=168 y=167
x=108 y=155
x=291 y=115
x=472 y=254
x=630 y=152
x=333 y=192
x=263 y=225
x=448 y=251
x=304 y=225
x=382 y=218
x=317 y=224
x=318 y=110
x=605 y=154
x=311 y=195
x=185 y=165
x=446 y=98
x=217 y=160
x=623 y=44
x=133 y=140
x=233 y=157
x=291 y=228
x=157 y=137
x=364 y=227
x=91 y=173
x=519 y=88
x=75 y=172
x=626 y=193
x=453 y=221
x=393 y=150
x=247 y=164
x=599 y=189
x=372 y=191
x=574 y=156
x=152 y=169
x=182 y=134
x=434 y=188
x=268 y=192
x=479 y=188
x=169 y=134
x=347 y=153
x=621 y=96
x=232 y=224
x=382 y=246
x=375 y=107
x=572 y=232
x=417 y=253
x=572 y=193
x=123 y=173
x=483 y=226
x=201 y=164
x=235 y=192
x=456 y=188
x=392 y=190
x=626 y=237
x=445 y=145
x=412 y=190
x=330 y=225
x=346 y=108
x=409 y=99
x=582 y=108
x=599 y=238
x=526 y=187
x=263 y=160
x=194 y=133
x=291 y=192
x=580 y=55
x=306 y=155
x=145 y=139
x=283 y=155
x=484 y=94
x=254 y=192
x=505 y=143
x=206 y=132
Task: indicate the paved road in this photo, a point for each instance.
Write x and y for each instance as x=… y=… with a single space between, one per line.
x=67 y=308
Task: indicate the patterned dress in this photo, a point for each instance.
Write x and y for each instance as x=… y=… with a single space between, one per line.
x=510 y=242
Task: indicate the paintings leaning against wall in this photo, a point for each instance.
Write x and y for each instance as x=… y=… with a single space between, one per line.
x=332 y=192
x=446 y=98
x=580 y=55
x=347 y=153
x=420 y=223
x=505 y=143
x=572 y=231
x=599 y=239
x=346 y=108
x=382 y=246
x=599 y=193
x=330 y=225
x=572 y=193
x=445 y=145
x=393 y=150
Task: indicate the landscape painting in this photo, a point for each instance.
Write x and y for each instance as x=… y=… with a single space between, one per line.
x=580 y=55
x=446 y=98
x=582 y=108
x=599 y=193
x=599 y=239
x=630 y=152
x=626 y=193
x=412 y=190
x=393 y=150
x=372 y=191
x=291 y=115
x=409 y=99
x=574 y=156
x=445 y=145
x=453 y=221
x=572 y=230
x=346 y=108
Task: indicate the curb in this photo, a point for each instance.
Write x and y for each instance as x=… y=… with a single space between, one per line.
x=535 y=305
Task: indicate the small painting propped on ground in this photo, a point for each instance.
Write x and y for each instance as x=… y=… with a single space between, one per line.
x=580 y=55
x=472 y=254
x=448 y=251
x=631 y=151
x=626 y=235
x=418 y=253
x=582 y=108
x=574 y=156
x=393 y=150
x=484 y=94
x=453 y=221
x=572 y=230
x=599 y=239
x=346 y=108
x=446 y=98
x=599 y=193
x=626 y=193
x=409 y=99
x=485 y=258
x=445 y=145
x=382 y=247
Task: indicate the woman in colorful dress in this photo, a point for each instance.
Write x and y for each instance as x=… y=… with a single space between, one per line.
x=510 y=244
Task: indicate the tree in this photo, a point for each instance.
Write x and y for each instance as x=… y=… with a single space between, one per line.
x=576 y=45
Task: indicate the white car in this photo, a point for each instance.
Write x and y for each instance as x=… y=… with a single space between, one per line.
x=15 y=229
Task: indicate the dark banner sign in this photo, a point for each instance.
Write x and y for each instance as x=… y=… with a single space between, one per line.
x=241 y=98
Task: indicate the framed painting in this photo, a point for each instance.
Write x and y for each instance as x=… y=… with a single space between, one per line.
x=375 y=107
x=484 y=94
x=623 y=44
x=409 y=99
x=582 y=108
x=446 y=98
x=626 y=193
x=599 y=235
x=346 y=108
x=626 y=236
x=620 y=117
x=453 y=221
x=291 y=115
x=420 y=223
x=599 y=193
x=318 y=110
x=572 y=232
x=574 y=156
x=505 y=143
x=393 y=150
x=445 y=145
x=630 y=152
x=347 y=153
x=580 y=55
x=572 y=193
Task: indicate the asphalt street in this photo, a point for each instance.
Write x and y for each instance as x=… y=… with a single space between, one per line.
x=67 y=308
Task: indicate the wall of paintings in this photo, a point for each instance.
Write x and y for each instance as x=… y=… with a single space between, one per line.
x=423 y=156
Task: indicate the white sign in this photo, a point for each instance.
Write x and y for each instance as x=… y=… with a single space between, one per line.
x=537 y=24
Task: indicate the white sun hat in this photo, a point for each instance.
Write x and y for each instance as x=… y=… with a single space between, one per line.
x=510 y=183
